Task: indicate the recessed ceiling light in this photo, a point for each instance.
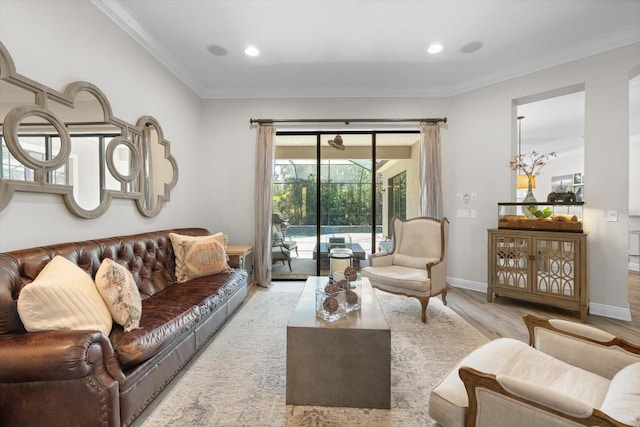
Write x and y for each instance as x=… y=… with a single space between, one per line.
x=435 y=48
x=252 y=51
x=472 y=47
x=216 y=50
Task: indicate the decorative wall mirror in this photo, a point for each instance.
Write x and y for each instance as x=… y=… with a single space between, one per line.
x=69 y=143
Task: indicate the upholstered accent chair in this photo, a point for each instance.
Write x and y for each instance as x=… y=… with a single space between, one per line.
x=416 y=266
x=570 y=374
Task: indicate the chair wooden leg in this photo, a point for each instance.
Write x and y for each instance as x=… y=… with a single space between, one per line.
x=424 y=302
x=444 y=295
x=289 y=261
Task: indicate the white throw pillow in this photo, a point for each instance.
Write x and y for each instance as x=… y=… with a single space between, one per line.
x=198 y=256
x=623 y=398
x=63 y=296
x=119 y=291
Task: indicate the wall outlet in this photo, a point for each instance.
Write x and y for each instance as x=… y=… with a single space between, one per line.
x=463 y=213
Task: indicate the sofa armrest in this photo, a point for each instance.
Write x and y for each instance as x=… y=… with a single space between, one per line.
x=581 y=345
x=59 y=378
x=505 y=401
x=57 y=355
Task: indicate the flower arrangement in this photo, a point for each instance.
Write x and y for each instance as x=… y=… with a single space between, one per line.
x=531 y=164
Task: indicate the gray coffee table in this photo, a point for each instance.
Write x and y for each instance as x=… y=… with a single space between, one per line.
x=343 y=363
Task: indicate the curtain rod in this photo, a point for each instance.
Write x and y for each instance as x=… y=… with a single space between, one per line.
x=345 y=121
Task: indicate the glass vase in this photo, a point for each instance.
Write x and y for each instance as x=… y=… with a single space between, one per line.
x=331 y=305
x=529 y=198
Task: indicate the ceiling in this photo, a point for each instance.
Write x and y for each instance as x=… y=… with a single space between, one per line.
x=365 y=48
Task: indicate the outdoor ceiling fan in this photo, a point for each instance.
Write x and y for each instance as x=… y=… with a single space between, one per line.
x=337 y=142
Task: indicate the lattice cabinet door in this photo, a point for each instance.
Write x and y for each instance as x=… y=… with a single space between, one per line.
x=511 y=261
x=558 y=267
x=539 y=266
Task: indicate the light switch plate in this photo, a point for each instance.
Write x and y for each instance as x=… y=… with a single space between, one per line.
x=463 y=213
x=612 y=216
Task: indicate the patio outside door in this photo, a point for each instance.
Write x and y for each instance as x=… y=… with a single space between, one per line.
x=325 y=198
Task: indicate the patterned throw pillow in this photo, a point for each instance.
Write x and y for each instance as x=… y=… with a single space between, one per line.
x=120 y=292
x=63 y=296
x=198 y=256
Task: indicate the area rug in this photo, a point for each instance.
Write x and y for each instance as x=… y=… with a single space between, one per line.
x=239 y=379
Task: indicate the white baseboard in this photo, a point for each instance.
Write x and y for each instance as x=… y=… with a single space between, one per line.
x=634 y=266
x=597 y=309
x=467 y=284
x=610 y=311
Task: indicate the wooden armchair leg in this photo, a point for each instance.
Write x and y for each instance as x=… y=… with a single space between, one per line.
x=424 y=302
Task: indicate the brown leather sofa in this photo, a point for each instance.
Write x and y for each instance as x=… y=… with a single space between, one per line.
x=76 y=378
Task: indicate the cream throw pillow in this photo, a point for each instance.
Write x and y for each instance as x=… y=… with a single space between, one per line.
x=623 y=398
x=120 y=292
x=198 y=256
x=63 y=296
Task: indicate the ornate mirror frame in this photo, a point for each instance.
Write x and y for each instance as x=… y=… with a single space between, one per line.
x=152 y=172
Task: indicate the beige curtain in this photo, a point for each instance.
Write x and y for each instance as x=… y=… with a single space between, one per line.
x=265 y=153
x=430 y=171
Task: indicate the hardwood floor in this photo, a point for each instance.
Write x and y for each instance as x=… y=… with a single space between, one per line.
x=503 y=316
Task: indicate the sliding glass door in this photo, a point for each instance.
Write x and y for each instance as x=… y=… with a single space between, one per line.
x=339 y=192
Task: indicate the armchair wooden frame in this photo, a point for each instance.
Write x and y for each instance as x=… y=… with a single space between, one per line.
x=474 y=379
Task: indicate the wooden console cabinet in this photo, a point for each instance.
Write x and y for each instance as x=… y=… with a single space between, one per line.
x=539 y=266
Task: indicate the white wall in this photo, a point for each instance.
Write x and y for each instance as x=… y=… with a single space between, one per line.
x=634 y=142
x=568 y=164
x=56 y=43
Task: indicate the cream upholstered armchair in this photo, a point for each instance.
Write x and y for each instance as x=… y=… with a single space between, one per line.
x=416 y=266
x=571 y=374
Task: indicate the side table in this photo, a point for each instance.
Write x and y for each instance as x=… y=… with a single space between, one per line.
x=242 y=257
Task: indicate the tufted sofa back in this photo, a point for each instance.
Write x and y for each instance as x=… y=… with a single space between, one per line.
x=149 y=257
